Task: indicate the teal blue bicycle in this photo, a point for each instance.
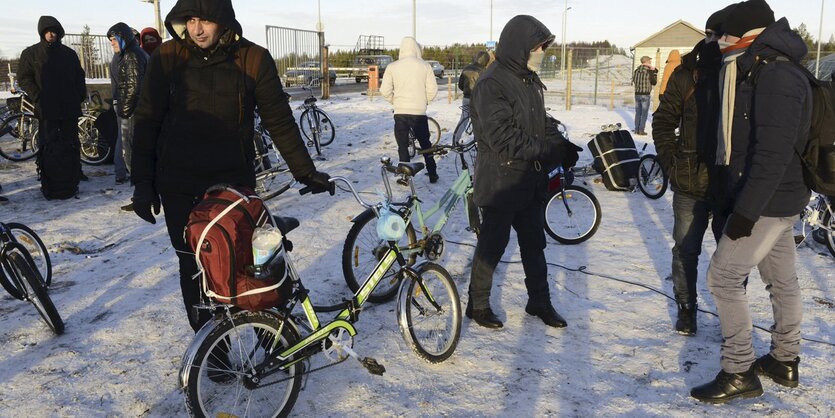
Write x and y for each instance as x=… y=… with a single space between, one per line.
x=363 y=250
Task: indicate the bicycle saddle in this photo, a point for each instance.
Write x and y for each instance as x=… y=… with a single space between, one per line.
x=309 y=100
x=409 y=169
x=285 y=225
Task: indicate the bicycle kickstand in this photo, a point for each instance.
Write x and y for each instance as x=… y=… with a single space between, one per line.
x=369 y=363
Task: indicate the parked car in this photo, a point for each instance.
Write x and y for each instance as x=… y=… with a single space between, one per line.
x=307 y=73
x=437 y=68
x=362 y=62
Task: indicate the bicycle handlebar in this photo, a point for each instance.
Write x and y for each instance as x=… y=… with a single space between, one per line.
x=362 y=202
x=441 y=149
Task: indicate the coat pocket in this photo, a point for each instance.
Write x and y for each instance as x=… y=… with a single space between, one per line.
x=683 y=176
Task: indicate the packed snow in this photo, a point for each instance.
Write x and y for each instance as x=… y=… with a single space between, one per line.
x=116 y=286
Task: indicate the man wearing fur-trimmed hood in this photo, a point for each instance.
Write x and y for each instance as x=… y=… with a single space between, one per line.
x=195 y=123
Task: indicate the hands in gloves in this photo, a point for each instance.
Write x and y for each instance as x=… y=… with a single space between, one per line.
x=317 y=182
x=145 y=198
x=738 y=226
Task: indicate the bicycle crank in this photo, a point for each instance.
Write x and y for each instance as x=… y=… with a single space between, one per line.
x=337 y=347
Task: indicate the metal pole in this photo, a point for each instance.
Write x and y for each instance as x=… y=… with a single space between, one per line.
x=157 y=21
x=564 y=19
x=820 y=35
x=491 y=21
x=319 y=27
x=414 y=19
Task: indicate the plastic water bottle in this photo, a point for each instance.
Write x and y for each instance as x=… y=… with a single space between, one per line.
x=265 y=241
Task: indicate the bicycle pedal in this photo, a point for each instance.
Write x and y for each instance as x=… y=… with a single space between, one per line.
x=309 y=143
x=372 y=366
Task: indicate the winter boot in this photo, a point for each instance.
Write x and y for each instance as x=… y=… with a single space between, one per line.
x=484 y=317
x=686 y=322
x=729 y=386
x=781 y=372
x=547 y=314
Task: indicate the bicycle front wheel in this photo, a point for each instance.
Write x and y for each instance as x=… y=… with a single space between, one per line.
x=36 y=248
x=20 y=141
x=94 y=149
x=221 y=379
x=829 y=232
x=36 y=292
x=651 y=178
x=363 y=250
x=463 y=134
x=327 y=132
x=434 y=131
x=429 y=313
x=572 y=215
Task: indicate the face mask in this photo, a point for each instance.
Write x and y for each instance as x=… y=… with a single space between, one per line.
x=535 y=61
x=725 y=44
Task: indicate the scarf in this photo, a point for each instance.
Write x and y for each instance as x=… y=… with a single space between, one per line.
x=727 y=97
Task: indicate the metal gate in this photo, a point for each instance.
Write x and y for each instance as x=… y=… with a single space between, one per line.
x=299 y=58
x=94 y=52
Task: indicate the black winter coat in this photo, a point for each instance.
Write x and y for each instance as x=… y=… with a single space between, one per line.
x=471 y=73
x=770 y=120
x=51 y=75
x=679 y=158
x=195 y=120
x=126 y=71
x=508 y=113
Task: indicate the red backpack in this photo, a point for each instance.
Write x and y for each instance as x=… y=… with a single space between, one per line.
x=219 y=230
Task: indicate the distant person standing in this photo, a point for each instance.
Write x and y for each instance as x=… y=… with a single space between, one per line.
x=409 y=84
x=127 y=68
x=466 y=82
x=51 y=74
x=150 y=40
x=643 y=78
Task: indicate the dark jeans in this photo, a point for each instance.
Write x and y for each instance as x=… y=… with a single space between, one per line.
x=691 y=218
x=419 y=124
x=177 y=208
x=492 y=241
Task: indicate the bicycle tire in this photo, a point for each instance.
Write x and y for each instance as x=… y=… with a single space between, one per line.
x=829 y=232
x=273 y=182
x=436 y=341
x=464 y=130
x=651 y=178
x=36 y=292
x=20 y=143
x=434 y=130
x=216 y=385
x=26 y=237
x=327 y=131
x=563 y=210
x=94 y=149
x=474 y=214
x=412 y=146
x=363 y=250
x=8 y=282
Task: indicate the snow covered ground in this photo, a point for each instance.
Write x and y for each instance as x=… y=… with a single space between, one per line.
x=126 y=329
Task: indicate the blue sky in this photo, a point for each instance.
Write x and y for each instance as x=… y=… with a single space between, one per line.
x=439 y=22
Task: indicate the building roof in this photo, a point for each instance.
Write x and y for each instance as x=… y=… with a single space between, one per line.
x=677 y=34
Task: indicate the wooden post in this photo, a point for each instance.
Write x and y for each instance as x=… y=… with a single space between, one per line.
x=568 y=80
x=449 y=89
x=657 y=88
x=612 y=96
x=326 y=70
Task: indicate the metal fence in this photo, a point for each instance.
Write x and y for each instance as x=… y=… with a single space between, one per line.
x=94 y=52
x=297 y=54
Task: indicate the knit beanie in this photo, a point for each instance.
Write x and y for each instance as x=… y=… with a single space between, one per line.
x=747 y=15
x=715 y=21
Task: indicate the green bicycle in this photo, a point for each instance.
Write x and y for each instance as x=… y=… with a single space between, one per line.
x=363 y=250
x=244 y=363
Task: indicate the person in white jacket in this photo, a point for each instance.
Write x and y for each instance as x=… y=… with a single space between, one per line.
x=409 y=84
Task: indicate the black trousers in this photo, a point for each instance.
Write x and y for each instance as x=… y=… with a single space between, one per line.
x=177 y=208
x=492 y=241
x=420 y=126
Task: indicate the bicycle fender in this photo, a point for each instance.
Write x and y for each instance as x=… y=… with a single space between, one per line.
x=191 y=351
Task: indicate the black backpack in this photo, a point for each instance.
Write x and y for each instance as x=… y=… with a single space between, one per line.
x=818 y=156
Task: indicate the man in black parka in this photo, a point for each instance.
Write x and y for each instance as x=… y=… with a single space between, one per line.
x=51 y=75
x=195 y=123
x=466 y=82
x=508 y=113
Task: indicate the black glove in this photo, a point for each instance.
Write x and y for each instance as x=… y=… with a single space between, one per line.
x=317 y=183
x=144 y=198
x=738 y=226
x=570 y=154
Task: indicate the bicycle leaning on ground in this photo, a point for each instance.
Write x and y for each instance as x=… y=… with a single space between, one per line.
x=316 y=125
x=272 y=175
x=19 y=129
x=817 y=215
x=26 y=271
x=244 y=363
x=363 y=250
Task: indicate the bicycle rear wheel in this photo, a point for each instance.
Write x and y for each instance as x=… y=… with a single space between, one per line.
x=36 y=248
x=36 y=292
x=94 y=149
x=273 y=182
x=429 y=313
x=220 y=379
x=572 y=216
x=651 y=178
x=327 y=132
x=829 y=232
x=20 y=141
x=434 y=131
x=363 y=250
x=464 y=133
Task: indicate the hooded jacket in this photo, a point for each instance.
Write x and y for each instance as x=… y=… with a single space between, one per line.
x=126 y=70
x=673 y=61
x=772 y=116
x=508 y=113
x=51 y=74
x=409 y=83
x=195 y=120
x=678 y=154
x=149 y=47
x=471 y=73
